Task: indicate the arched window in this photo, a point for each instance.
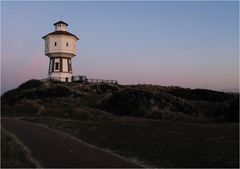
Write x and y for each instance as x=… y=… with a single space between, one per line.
x=67 y=44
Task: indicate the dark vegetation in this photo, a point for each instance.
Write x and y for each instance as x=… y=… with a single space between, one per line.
x=161 y=126
x=145 y=101
x=12 y=153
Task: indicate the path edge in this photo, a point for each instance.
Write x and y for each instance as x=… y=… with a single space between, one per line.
x=23 y=146
x=141 y=164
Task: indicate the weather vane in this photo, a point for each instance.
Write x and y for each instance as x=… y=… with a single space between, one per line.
x=60 y=17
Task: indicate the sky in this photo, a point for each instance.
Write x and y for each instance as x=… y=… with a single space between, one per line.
x=185 y=43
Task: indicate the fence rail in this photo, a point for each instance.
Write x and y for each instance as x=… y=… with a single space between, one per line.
x=80 y=79
x=101 y=81
x=84 y=79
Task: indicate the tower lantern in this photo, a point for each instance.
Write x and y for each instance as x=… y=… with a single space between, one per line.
x=60 y=47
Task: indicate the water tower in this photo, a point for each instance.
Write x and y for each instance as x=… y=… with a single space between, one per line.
x=60 y=47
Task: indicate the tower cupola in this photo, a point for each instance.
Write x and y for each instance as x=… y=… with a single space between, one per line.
x=60 y=26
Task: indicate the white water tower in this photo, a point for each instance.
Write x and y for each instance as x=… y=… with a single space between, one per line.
x=60 y=47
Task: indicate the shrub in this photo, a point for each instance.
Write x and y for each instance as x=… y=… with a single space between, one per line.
x=23 y=107
x=103 y=88
x=199 y=94
x=31 y=84
x=54 y=91
x=9 y=97
x=232 y=114
x=128 y=102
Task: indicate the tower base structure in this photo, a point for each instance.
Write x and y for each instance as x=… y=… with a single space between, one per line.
x=64 y=77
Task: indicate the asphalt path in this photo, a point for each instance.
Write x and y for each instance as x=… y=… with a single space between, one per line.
x=54 y=149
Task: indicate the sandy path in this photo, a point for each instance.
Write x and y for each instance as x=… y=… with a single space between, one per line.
x=55 y=149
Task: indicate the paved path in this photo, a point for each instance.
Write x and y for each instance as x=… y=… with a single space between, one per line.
x=55 y=149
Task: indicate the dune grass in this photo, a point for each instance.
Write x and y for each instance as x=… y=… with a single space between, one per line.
x=13 y=155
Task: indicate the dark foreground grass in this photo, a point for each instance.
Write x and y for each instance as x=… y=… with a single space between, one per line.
x=159 y=143
x=13 y=154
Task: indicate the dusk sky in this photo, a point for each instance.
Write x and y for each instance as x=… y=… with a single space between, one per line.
x=187 y=44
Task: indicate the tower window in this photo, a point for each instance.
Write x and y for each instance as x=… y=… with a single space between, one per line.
x=55 y=43
x=69 y=65
x=56 y=66
x=67 y=44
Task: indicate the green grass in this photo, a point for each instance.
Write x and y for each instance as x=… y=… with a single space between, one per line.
x=13 y=154
x=159 y=143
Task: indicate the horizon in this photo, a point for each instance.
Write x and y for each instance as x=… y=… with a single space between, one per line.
x=186 y=44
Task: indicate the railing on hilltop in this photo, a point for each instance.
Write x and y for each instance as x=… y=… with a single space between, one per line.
x=84 y=79
x=101 y=81
x=80 y=79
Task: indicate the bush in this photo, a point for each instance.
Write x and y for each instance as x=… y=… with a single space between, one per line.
x=9 y=97
x=31 y=84
x=23 y=107
x=54 y=91
x=199 y=94
x=103 y=88
x=13 y=96
x=128 y=102
x=233 y=112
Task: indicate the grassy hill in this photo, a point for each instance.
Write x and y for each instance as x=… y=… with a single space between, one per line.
x=158 y=126
x=75 y=100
